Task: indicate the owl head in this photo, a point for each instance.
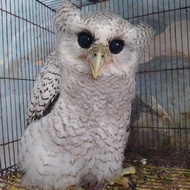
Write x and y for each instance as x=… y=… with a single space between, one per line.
x=100 y=43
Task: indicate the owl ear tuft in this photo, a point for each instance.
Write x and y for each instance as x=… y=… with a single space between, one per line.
x=145 y=34
x=65 y=15
x=141 y=35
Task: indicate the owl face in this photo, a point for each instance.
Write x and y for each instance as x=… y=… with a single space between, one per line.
x=100 y=44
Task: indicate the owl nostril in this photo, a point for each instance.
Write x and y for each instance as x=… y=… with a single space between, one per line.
x=95 y=54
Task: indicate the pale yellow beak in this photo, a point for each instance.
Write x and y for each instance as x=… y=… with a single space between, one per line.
x=97 y=59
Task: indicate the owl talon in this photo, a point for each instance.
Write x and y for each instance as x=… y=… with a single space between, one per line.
x=124 y=180
x=129 y=170
x=73 y=187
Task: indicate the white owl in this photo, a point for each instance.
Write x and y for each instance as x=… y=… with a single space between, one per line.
x=79 y=114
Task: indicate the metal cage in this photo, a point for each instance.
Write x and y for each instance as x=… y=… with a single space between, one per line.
x=161 y=110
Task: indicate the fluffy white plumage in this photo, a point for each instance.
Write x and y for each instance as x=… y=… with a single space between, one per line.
x=80 y=107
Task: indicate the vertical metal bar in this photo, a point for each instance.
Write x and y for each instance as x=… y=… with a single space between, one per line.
x=109 y=5
x=51 y=29
x=20 y=53
x=43 y=33
x=184 y=100
x=81 y=3
x=29 y=39
x=24 y=68
x=24 y=45
x=188 y=58
x=178 y=78
x=34 y=8
x=16 y=57
x=30 y=61
x=143 y=127
x=40 y=31
x=12 y=95
x=136 y=106
x=148 y=144
x=8 y=84
x=118 y=7
x=4 y=123
x=146 y=128
x=167 y=78
x=101 y=7
x=46 y=33
x=172 y=77
x=123 y=8
x=32 y=56
x=152 y=130
x=160 y=79
x=37 y=33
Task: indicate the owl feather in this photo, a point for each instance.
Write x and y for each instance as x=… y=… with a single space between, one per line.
x=79 y=114
x=46 y=90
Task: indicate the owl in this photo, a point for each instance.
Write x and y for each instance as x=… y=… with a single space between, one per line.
x=79 y=114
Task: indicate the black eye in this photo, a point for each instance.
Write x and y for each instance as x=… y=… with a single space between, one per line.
x=85 y=39
x=116 y=46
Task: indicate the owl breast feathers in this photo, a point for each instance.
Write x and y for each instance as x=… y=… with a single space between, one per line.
x=79 y=113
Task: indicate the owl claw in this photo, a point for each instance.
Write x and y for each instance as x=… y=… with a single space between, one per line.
x=129 y=170
x=73 y=187
x=124 y=180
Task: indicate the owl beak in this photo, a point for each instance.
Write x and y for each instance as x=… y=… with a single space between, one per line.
x=97 y=59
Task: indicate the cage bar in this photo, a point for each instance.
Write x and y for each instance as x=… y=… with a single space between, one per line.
x=160 y=118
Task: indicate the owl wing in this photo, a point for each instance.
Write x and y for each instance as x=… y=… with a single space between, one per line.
x=46 y=90
x=46 y=87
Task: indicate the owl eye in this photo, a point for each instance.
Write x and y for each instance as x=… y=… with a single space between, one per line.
x=116 y=46
x=85 y=39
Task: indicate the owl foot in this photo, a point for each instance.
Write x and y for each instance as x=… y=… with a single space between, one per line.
x=73 y=187
x=124 y=180
x=129 y=170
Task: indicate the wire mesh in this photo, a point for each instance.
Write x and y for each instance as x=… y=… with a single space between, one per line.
x=53 y=5
x=160 y=116
x=27 y=38
x=163 y=82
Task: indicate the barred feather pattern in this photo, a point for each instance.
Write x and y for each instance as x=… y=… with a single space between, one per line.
x=78 y=126
x=45 y=90
x=83 y=139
